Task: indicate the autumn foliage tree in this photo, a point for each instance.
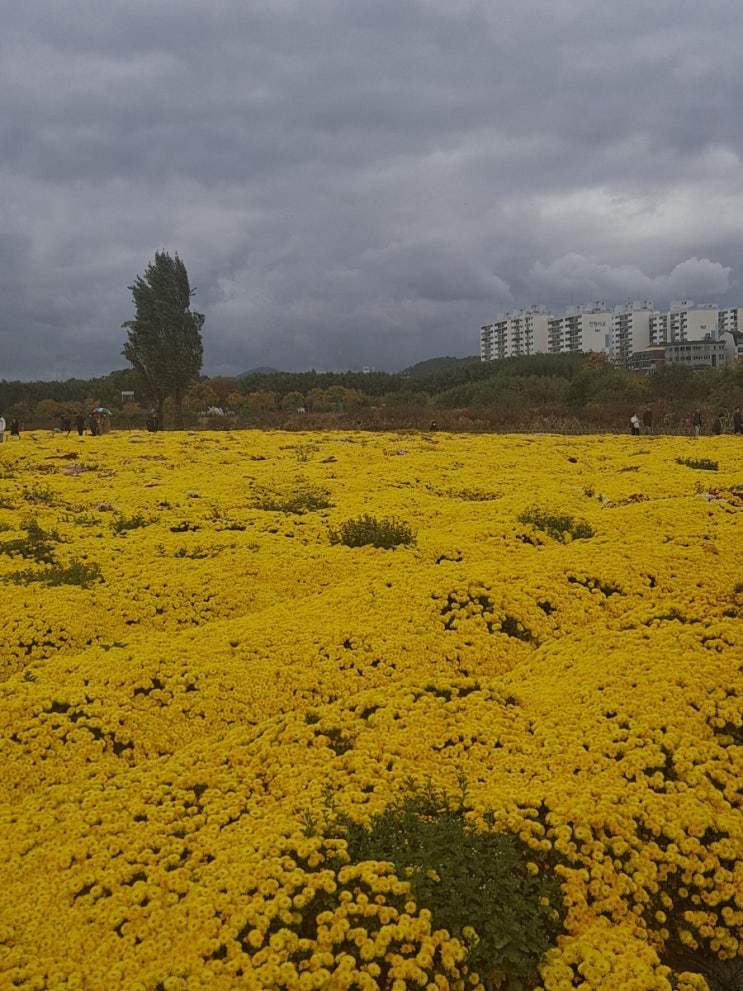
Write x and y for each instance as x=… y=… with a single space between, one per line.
x=164 y=339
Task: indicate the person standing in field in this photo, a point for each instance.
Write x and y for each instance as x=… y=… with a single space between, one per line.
x=80 y=424
x=737 y=421
x=635 y=425
x=718 y=427
x=2 y=428
x=15 y=428
x=696 y=422
x=647 y=421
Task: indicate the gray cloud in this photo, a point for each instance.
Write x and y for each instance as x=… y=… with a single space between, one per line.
x=692 y=278
x=359 y=184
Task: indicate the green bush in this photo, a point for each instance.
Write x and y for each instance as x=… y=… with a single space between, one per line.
x=136 y=522
x=475 y=495
x=37 y=545
x=197 y=553
x=38 y=493
x=488 y=882
x=556 y=525
x=307 y=499
x=387 y=533
x=701 y=464
x=75 y=573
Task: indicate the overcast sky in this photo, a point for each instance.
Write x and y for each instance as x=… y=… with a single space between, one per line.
x=359 y=182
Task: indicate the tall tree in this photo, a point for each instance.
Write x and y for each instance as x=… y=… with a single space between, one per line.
x=164 y=341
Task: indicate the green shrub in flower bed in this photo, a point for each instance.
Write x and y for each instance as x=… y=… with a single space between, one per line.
x=387 y=533
x=701 y=464
x=500 y=898
x=296 y=501
x=556 y=525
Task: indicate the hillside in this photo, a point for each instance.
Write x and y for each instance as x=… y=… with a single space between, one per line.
x=433 y=366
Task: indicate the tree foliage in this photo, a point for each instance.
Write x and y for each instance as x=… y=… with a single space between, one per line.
x=164 y=342
x=674 y=384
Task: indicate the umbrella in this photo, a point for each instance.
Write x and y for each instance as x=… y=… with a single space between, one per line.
x=102 y=409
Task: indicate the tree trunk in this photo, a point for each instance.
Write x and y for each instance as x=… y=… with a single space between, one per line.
x=178 y=409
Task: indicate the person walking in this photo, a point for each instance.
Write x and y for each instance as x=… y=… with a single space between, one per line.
x=80 y=424
x=718 y=427
x=2 y=428
x=647 y=421
x=737 y=421
x=696 y=422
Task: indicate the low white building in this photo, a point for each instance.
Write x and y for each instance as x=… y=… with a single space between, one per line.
x=733 y=341
x=696 y=355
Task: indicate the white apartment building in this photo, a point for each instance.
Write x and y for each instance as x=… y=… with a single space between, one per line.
x=620 y=333
x=685 y=321
x=518 y=332
x=493 y=338
x=729 y=320
x=583 y=328
x=631 y=329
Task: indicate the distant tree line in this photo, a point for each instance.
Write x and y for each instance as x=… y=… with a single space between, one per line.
x=505 y=392
x=23 y=399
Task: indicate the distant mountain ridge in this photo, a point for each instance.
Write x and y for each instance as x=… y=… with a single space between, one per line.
x=263 y=370
x=428 y=367
x=432 y=365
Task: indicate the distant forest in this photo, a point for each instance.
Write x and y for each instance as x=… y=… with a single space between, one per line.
x=531 y=392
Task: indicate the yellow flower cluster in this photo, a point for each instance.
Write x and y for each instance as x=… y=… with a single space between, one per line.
x=192 y=684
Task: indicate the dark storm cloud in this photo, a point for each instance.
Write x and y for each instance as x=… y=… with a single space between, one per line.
x=359 y=183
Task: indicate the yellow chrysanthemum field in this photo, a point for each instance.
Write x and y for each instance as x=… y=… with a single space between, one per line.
x=193 y=673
